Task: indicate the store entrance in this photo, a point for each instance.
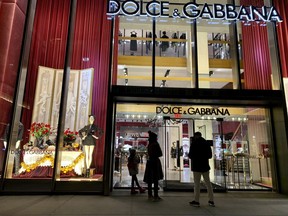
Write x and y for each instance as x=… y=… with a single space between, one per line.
x=240 y=143
x=177 y=135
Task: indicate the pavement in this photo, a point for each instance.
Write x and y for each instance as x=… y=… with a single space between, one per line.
x=120 y=202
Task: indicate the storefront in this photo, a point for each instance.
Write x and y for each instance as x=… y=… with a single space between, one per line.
x=91 y=82
x=239 y=136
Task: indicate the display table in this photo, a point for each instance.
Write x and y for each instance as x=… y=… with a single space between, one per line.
x=70 y=161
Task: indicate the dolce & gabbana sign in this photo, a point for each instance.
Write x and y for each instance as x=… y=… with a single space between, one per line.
x=178 y=110
x=192 y=10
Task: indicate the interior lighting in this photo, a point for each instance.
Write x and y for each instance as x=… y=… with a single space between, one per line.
x=125 y=70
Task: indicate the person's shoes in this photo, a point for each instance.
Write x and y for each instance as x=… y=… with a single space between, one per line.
x=157 y=199
x=133 y=191
x=150 y=197
x=142 y=190
x=194 y=203
x=87 y=173
x=211 y=203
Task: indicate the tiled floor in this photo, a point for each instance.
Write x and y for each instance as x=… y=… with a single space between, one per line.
x=123 y=180
x=122 y=203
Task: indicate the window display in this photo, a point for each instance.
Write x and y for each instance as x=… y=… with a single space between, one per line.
x=89 y=134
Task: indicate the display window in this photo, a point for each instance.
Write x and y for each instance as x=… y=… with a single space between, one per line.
x=210 y=53
x=61 y=117
x=239 y=137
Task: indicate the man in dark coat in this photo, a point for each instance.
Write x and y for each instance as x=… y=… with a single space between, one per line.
x=200 y=152
x=153 y=171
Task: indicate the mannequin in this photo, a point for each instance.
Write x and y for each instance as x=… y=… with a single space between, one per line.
x=17 y=146
x=19 y=135
x=133 y=43
x=89 y=137
x=173 y=154
x=164 y=44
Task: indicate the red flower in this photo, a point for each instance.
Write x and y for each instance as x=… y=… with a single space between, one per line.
x=40 y=130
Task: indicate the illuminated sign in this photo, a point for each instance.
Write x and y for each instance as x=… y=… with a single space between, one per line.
x=193 y=11
x=191 y=111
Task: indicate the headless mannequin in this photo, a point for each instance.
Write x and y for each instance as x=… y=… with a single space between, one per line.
x=89 y=138
x=17 y=145
x=174 y=154
x=19 y=135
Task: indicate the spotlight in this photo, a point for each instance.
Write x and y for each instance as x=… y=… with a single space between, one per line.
x=125 y=70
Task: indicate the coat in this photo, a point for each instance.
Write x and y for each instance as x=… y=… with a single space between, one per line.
x=153 y=170
x=133 y=163
x=200 y=152
x=90 y=130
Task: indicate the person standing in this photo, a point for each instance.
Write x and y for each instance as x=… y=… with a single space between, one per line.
x=200 y=152
x=133 y=168
x=153 y=172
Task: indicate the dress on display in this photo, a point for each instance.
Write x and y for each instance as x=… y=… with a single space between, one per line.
x=164 y=44
x=90 y=130
x=133 y=43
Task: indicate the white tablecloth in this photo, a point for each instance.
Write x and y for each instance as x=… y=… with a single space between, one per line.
x=67 y=158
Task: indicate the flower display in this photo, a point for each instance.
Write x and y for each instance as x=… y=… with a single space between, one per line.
x=40 y=130
x=70 y=136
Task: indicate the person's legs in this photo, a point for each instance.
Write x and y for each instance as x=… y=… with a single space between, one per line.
x=133 y=180
x=156 y=189
x=150 y=190
x=197 y=177
x=141 y=190
x=132 y=184
x=208 y=185
x=136 y=181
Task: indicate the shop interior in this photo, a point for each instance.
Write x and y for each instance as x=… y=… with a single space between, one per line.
x=239 y=141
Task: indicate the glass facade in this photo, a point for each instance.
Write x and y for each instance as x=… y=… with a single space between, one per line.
x=239 y=138
x=61 y=129
x=73 y=77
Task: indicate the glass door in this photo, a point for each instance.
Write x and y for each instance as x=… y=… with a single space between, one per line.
x=171 y=139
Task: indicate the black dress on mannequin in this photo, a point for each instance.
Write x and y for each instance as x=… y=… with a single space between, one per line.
x=89 y=134
x=164 y=44
x=133 y=43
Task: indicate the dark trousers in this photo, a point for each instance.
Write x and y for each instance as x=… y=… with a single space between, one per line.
x=134 y=179
x=155 y=188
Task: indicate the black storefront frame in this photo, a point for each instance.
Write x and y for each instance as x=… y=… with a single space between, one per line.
x=269 y=99
x=236 y=97
x=131 y=94
x=45 y=186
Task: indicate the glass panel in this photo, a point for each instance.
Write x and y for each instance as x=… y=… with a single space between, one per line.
x=132 y=126
x=36 y=153
x=214 y=59
x=239 y=136
x=135 y=51
x=255 y=54
x=211 y=131
x=173 y=53
x=81 y=156
x=12 y=28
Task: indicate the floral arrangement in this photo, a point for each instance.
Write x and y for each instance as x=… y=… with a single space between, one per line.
x=40 y=130
x=70 y=136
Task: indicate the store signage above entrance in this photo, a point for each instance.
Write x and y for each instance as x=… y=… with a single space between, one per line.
x=178 y=110
x=192 y=11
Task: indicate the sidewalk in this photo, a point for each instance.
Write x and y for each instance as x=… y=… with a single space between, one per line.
x=122 y=203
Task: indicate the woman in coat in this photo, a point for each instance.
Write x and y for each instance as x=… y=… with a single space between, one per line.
x=153 y=171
